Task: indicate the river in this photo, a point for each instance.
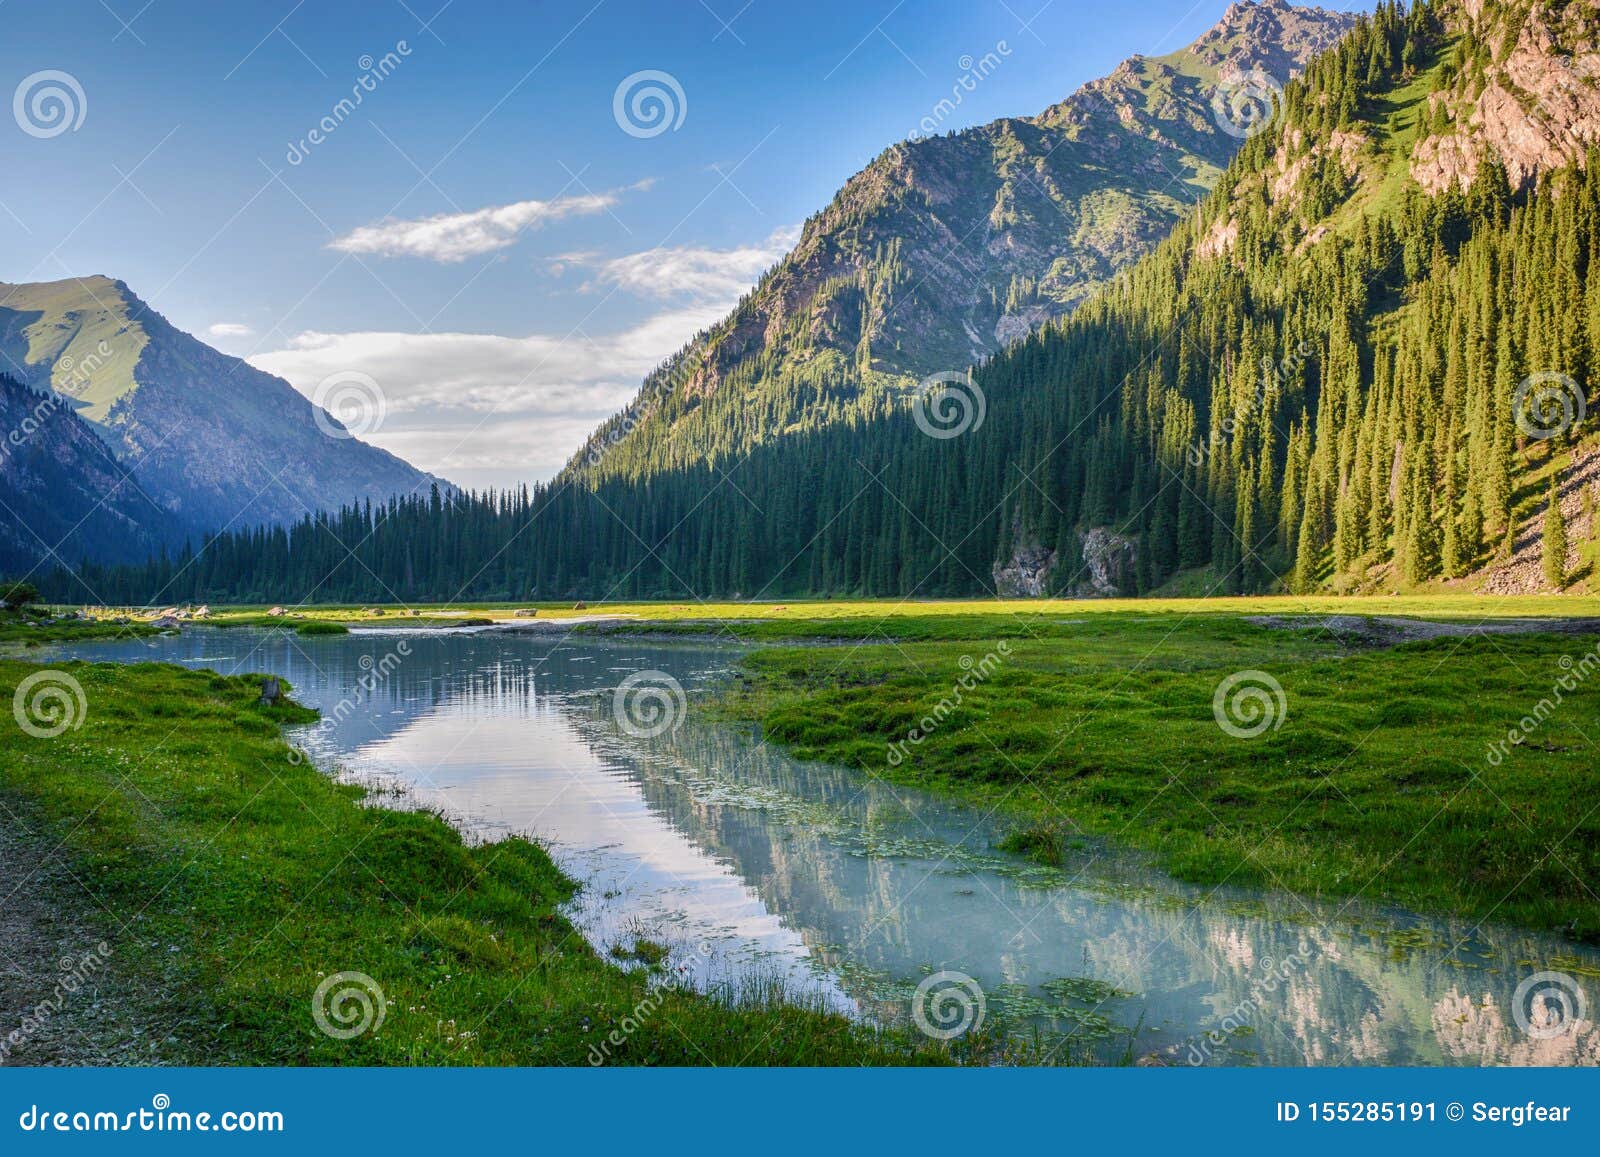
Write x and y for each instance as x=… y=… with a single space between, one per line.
x=757 y=870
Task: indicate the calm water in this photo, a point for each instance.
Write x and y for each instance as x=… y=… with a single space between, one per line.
x=751 y=865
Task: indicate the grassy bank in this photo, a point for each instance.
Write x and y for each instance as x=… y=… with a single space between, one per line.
x=857 y=616
x=228 y=879
x=1377 y=780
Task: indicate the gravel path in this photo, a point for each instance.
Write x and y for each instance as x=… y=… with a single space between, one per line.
x=1392 y=630
x=62 y=1001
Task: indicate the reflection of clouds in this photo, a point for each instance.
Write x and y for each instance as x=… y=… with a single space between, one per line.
x=1478 y=1032
x=1233 y=945
x=1369 y=1042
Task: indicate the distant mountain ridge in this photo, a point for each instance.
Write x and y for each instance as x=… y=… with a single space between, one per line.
x=210 y=439
x=944 y=249
x=63 y=496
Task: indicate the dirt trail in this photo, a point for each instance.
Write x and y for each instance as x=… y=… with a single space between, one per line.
x=1392 y=630
x=61 y=1002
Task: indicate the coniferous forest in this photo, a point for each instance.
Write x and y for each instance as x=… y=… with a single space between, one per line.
x=1324 y=377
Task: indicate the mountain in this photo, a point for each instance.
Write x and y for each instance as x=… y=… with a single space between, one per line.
x=944 y=249
x=210 y=439
x=1350 y=369
x=62 y=495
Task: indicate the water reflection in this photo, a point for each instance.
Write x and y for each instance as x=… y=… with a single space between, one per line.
x=852 y=890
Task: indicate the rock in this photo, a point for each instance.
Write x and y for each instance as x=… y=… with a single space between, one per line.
x=525 y=612
x=1523 y=572
x=276 y=613
x=1108 y=560
x=1026 y=574
x=202 y=612
x=580 y=606
x=271 y=691
x=1537 y=108
x=166 y=622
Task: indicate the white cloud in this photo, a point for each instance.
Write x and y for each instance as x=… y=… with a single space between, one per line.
x=453 y=237
x=488 y=410
x=230 y=329
x=698 y=273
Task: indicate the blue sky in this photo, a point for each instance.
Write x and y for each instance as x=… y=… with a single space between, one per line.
x=481 y=234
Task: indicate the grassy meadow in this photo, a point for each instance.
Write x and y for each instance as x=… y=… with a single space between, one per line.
x=233 y=877
x=1374 y=775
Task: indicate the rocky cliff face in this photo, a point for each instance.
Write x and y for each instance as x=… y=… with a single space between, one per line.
x=945 y=248
x=1523 y=91
x=211 y=439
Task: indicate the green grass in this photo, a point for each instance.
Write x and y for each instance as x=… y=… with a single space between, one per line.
x=931 y=618
x=20 y=630
x=231 y=878
x=1377 y=784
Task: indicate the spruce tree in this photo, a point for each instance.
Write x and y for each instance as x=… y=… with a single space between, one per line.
x=1555 y=541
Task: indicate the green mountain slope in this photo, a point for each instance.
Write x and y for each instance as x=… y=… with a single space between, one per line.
x=1336 y=374
x=945 y=248
x=210 y=438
